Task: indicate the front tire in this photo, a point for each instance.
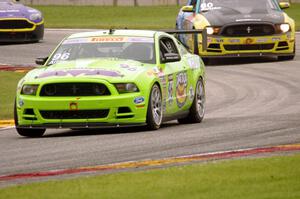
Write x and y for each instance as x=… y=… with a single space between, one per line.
x=34 y=133
x=154 y=112
x=197 y=110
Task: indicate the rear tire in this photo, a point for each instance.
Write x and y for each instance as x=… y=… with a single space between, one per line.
x=197 y=110
x=154 y=112
x=34 y=133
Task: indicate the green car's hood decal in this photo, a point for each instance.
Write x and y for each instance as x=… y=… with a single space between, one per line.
x=108 y=69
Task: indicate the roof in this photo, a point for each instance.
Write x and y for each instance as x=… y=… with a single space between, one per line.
x=137 y=33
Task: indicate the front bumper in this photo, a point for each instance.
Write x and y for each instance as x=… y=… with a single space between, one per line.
x=79 y=112
x=35 y=33
x=275 y=45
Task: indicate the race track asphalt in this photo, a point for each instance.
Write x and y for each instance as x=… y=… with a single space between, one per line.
x=250 y=103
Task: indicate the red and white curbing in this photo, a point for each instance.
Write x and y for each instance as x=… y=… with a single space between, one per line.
x=151 y=163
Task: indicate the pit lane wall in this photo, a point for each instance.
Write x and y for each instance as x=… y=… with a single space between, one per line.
x=106 y=2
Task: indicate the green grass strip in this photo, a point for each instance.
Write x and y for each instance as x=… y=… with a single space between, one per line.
x=103 y=17
x=273 y=177
x=8 y=86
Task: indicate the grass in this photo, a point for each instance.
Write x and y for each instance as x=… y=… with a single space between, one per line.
x=294 y=12
x=8 y=85
x=275 y=177
x=109 y=17
x=144 y=17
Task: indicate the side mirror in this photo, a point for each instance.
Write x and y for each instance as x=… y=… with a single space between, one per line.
x=187 y=9
x=284 y=5
x=171 y=57
x=41 y=60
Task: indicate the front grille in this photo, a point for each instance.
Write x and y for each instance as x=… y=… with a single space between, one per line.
x=15 y=24
x=74 y=89
x=249 y=47
x=80 y=114
x=242 y=30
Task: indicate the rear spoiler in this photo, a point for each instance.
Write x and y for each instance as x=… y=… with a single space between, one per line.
x=194 y=31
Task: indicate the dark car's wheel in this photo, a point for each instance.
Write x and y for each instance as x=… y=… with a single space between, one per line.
x=290 y=57
x=197 y=109
x=24 y=131
x=154 y=112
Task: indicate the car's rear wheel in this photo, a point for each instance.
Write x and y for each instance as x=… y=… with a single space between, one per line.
x=197 y=110
x=290 y=57
x=24 y=131
x=154 y=112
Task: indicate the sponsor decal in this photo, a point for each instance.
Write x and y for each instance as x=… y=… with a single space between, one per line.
x=73 y=106
x=170 y=89
x=192 y=93
x=194 y=63
x=219 y=40
x=181 y=89
x=276 y=39
x=156 y=71
x=242 y=20
x=209 y=39
x=234 y=40
x=163 y=81
x=249 y=41
x=262 y=40
x=5 y=11
x=129 y=68
x=106 y=39
x=84 y=72
x=139 y=100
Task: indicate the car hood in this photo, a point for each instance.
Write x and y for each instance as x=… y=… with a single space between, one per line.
x=227 y=16
x=112 y=70
x=15 y=10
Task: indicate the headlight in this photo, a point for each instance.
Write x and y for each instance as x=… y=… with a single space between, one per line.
x=283 y=28
x=213 y=30
x=126 y=88
x=35 y=16
x=28 y=89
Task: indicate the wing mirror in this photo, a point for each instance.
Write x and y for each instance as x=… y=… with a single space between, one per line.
x=187 y=9
x=284 y=5
x=171 y=57
x=41 y=60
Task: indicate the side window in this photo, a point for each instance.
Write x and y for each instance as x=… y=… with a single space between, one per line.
x=182 y=48
x=166 y=46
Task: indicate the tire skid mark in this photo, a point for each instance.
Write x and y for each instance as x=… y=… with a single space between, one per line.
x=153 y=163
x=285 y=88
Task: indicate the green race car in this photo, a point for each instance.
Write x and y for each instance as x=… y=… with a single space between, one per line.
x=112 y=78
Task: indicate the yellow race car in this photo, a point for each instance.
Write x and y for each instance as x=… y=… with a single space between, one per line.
x=238 y=28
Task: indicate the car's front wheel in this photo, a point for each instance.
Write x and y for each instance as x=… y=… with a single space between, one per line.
x=24 y=131
x=197 y=109
x=154 y=112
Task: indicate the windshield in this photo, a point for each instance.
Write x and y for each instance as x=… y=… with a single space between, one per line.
x=134 y=48
x=242 y=6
